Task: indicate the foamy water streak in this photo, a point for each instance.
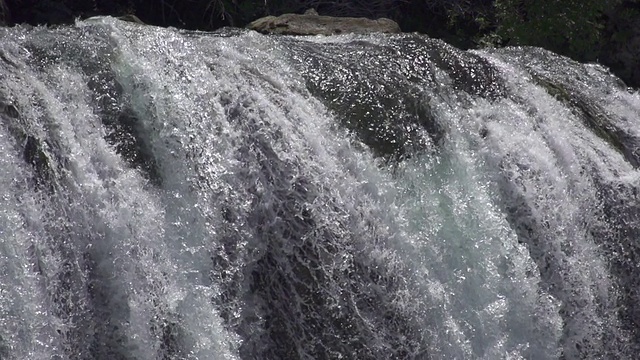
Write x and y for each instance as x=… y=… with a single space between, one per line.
x=181 y=195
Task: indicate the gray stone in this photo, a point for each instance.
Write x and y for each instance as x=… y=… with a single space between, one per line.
x=131 y=18
x=310 y=23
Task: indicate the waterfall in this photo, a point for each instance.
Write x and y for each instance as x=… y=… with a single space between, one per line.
x=170 y=194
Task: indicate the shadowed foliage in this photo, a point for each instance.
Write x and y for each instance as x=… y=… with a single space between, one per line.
x=587 y=30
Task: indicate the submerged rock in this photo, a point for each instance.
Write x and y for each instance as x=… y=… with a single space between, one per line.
x=310 y=23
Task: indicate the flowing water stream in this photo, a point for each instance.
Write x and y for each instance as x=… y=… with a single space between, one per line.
x=182 y=195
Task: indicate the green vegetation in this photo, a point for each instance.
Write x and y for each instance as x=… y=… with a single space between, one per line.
x=569 y=27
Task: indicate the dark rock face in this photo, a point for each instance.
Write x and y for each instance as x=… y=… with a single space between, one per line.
x=620 y=208
x=310 y=23
x=385 y=98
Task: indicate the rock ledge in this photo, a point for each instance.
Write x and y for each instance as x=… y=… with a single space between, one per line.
x=310 y=23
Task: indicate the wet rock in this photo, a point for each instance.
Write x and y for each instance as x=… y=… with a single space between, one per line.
x=602 y=123
x=469 y=72
x=126 y=134
x=310 y=23
x=131 y=18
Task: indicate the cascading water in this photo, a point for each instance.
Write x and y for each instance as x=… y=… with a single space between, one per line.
x=183 y=195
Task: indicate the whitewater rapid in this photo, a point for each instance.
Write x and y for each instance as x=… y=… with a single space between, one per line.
x=183 y=195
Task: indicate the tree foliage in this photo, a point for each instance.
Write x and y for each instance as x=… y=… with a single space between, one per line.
x=581 y=29
x=570 y=27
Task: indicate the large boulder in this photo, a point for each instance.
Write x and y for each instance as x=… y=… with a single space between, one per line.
x=310 y=23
